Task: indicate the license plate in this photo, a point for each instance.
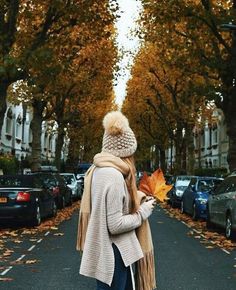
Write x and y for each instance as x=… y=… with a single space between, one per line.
x=3 y=199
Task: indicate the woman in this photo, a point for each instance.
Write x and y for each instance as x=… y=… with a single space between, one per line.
x=111 y=215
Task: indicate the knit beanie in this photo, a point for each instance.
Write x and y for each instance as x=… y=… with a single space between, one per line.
x=118 y=138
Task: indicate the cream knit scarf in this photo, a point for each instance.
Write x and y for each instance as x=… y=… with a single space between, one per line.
x=145 y=267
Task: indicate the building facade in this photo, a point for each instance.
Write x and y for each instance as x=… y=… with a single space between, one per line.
x=211 y=144
x=16 y=134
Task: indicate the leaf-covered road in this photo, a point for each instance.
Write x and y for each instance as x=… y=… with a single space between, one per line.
x=184 y=259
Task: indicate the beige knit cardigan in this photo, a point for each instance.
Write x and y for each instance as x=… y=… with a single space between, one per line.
x=108 y=222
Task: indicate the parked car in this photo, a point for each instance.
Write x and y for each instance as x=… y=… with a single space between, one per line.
x=73 y=184
x=195 y=197
x=180 y=183
x=81 y=170
x=56 y=183
x=221 y=206
x=25 y=198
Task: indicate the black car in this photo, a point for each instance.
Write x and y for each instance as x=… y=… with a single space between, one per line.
x=56 y=183
x=24 y=198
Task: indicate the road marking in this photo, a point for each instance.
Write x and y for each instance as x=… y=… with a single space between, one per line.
x=225 y=251
x=6 y=271
x=22 y=256
x=19 y=259
x=185 y=224
x=31 y=248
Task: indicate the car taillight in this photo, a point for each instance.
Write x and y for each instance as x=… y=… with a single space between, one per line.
x=23 y=196
x=55 y=190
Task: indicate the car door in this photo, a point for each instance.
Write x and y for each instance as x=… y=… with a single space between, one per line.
x=41 y=182
x=189 y=196
x=224 y=199
x=215 y=202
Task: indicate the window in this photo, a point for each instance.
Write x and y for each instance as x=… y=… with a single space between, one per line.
x=18 y=127
x=9 y=122
x=215 y=137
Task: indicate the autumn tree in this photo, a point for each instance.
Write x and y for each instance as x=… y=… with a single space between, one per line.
x=50 y=36
x=195 y=27
x=168 y=99
x=88 y=81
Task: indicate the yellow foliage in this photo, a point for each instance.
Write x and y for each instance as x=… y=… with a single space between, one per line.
x=155 y=185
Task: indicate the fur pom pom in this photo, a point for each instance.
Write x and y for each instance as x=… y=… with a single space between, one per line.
x=115 y=123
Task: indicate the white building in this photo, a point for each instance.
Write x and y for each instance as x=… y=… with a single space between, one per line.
x=211 y=144
x=16 y=135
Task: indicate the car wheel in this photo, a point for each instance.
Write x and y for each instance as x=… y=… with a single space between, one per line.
x=194 y=212
x=182 y=206
x=37 y=216
x=228 y=227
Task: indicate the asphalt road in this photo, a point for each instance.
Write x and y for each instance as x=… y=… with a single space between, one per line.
x=182 y=262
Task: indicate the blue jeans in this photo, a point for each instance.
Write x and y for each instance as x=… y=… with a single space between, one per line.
x=122 y=276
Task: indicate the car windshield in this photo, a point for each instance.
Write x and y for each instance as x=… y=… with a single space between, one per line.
x=182 y=182
x=206 y=184
x=16 y=181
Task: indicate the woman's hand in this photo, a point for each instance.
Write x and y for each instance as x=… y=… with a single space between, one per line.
x=147 y=207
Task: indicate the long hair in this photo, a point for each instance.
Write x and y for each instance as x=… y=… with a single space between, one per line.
x=131 y=183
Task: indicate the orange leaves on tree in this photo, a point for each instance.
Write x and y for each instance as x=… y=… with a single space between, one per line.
x=155 y=185
x=144 y=184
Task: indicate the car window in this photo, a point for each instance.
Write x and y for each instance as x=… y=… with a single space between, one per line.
x=16 y=181
x=231 y=184
x=224 y=186
x=182 y=182
x=205 y=185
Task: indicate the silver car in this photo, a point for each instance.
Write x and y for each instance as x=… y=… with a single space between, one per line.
x=221 y=209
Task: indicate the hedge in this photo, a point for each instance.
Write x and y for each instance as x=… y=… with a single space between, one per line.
x=9 y=164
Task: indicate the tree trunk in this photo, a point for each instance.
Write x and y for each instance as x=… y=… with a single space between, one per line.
x=178 y=149
x=36 y=127
x=59 y=145
x=162 y=160
x=190 y=150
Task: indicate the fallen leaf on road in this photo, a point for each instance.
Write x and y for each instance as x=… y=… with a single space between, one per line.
x=197 y=237
x=18 y=241
x=31 y=261
x=58 y=234
x=209 y=247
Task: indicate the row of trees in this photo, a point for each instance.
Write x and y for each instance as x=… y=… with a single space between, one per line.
x=58 y=57
x=186 y=64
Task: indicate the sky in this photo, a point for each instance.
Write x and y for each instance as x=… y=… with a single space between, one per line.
x=129 y=10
